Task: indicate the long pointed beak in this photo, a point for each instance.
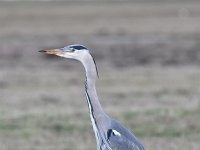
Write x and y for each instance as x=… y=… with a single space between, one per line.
x=52 y=51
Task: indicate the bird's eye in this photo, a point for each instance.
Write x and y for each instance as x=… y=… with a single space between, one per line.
x=72 y=49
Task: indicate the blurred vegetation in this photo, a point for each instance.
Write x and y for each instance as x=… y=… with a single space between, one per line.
x=148 y=58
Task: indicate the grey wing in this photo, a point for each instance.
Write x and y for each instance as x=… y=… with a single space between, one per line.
x=119 y=142
x=120 y=138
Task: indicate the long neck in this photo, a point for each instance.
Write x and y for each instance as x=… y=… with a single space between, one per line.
x=94 y=105
x=97 y=115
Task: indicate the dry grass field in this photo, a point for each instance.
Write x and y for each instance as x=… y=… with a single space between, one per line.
x=148 y=59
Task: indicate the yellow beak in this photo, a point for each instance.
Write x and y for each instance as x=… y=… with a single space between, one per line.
x=52 y=51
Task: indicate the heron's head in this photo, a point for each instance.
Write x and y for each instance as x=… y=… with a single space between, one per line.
x=75 y=51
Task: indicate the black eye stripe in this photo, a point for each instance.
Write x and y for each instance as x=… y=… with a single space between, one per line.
x=77 y=47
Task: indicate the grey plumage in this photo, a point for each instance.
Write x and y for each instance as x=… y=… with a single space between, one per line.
x=110 y=134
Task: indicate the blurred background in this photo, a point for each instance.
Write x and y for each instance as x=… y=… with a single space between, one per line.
x=148 y=57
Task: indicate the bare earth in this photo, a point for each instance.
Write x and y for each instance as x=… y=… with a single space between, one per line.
x=148 y=59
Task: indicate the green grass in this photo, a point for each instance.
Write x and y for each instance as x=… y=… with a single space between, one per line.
x=163 y=122
x=154 y=123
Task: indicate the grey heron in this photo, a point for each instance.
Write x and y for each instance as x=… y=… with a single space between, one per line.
x=110 y=134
